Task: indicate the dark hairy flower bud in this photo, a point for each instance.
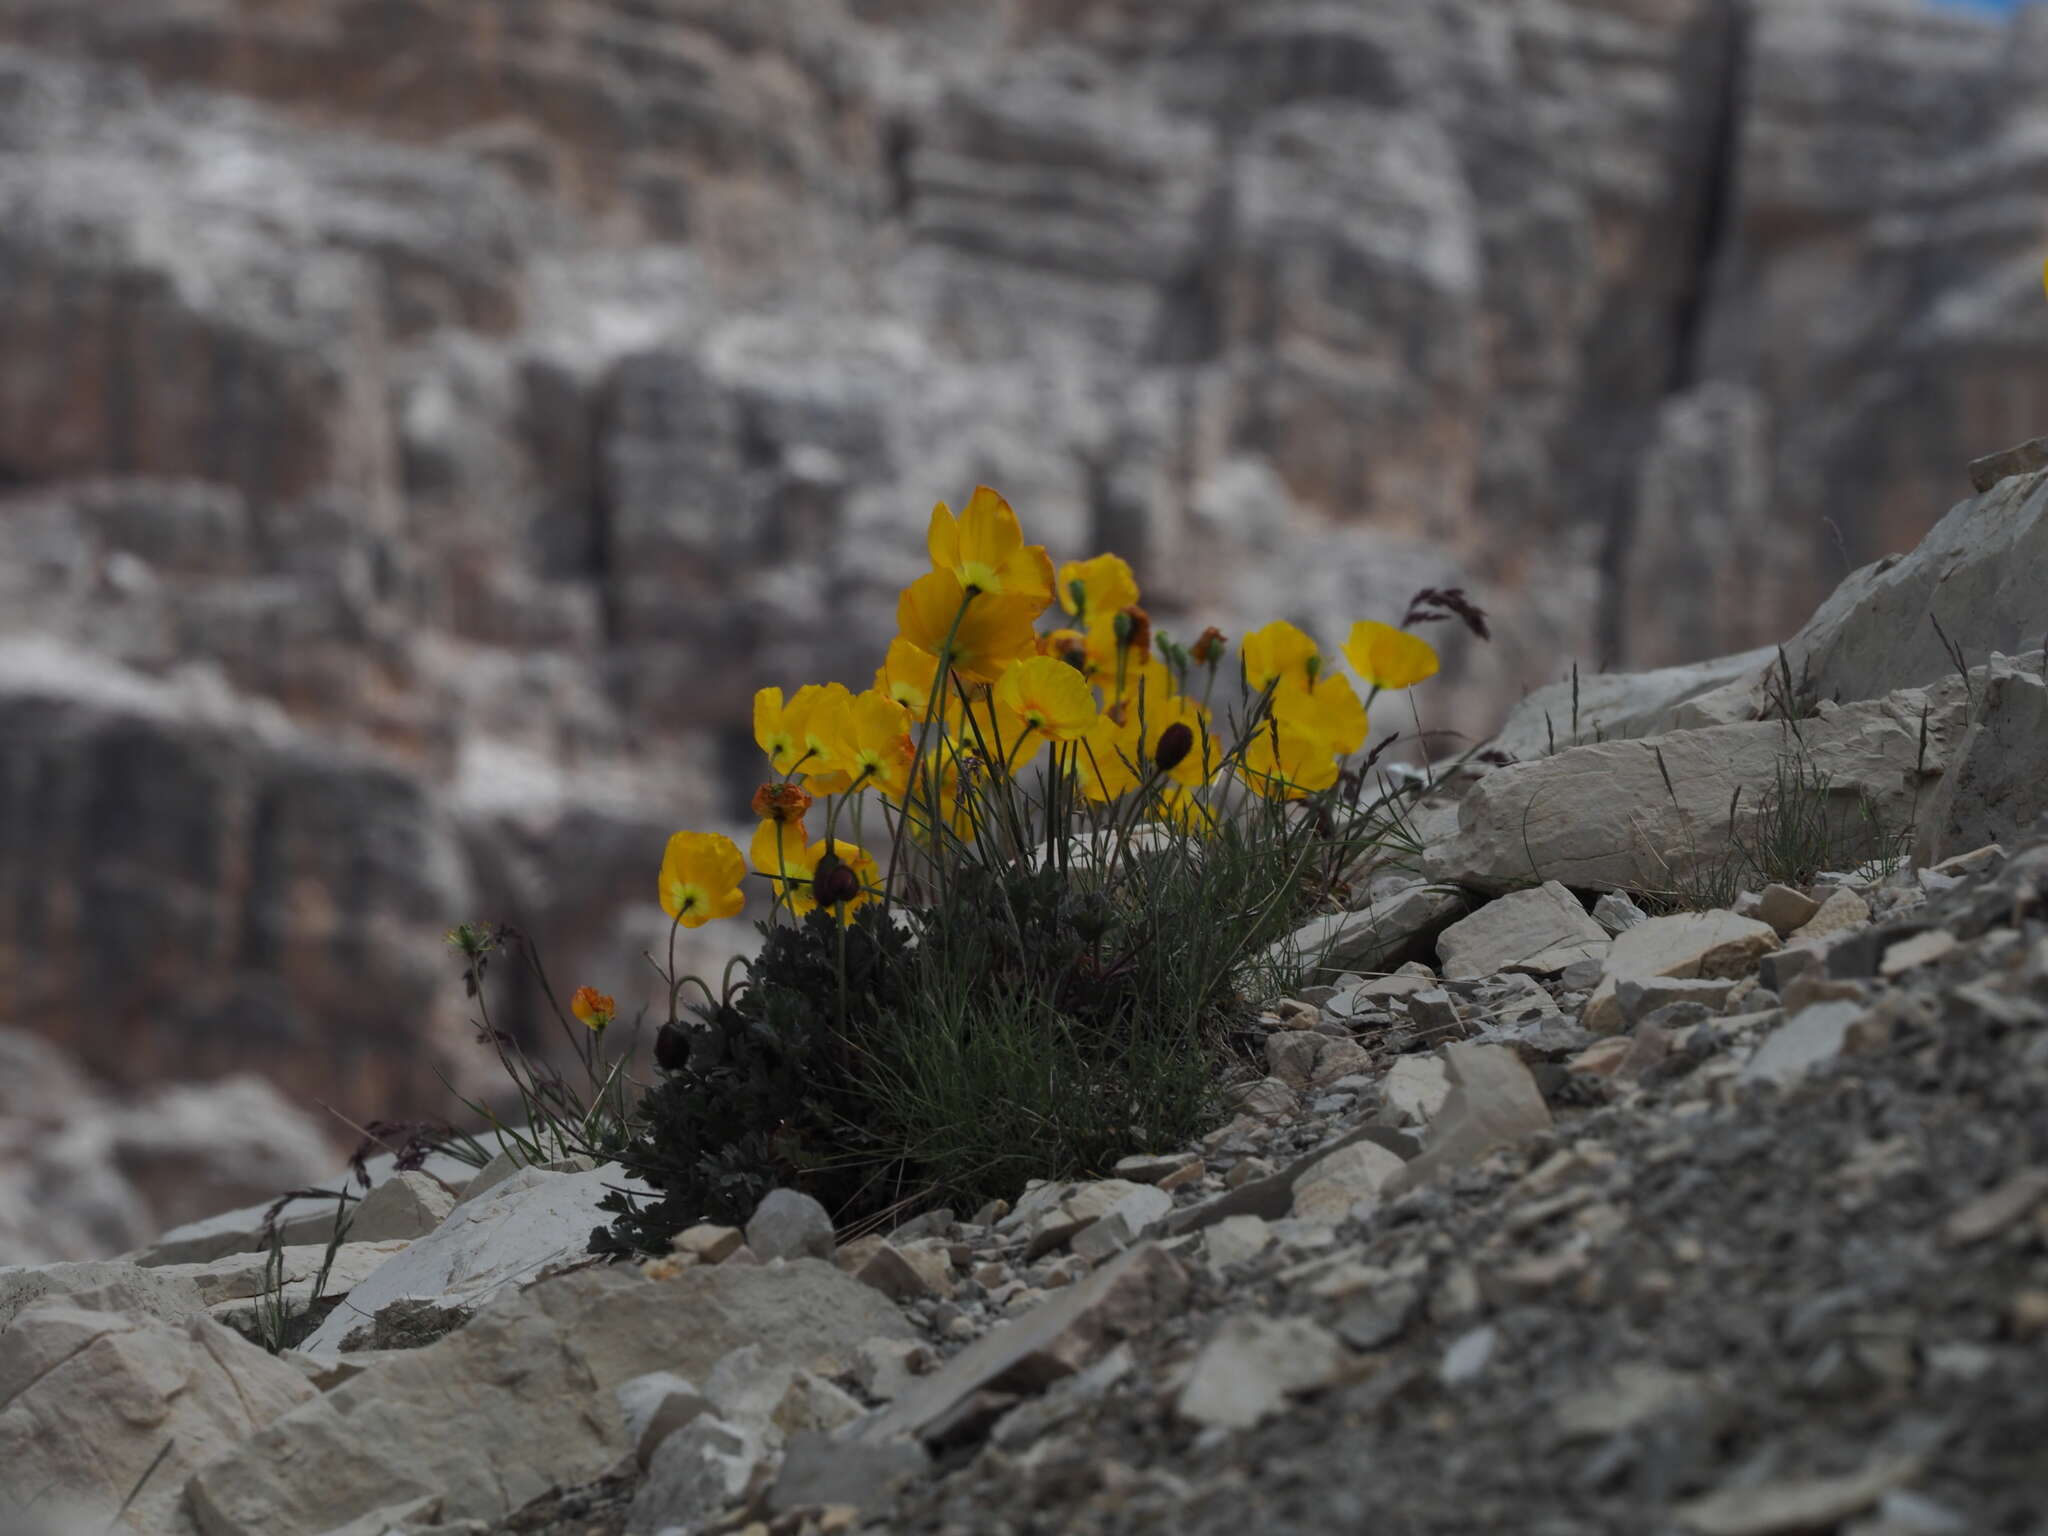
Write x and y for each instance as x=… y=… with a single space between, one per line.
x=1175 y=742
x=834 y=881
x=671 y=1049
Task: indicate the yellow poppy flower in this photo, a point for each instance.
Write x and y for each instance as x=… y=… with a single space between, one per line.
x=1387 y=657
x=1105 y=763
x=1275 y=651
x=775 y=730
x=869 y=741
x=1097 y=590
x=1050 y=696
x=592 y=1007
x=1329 y=710
x=1285 y=764
x=817 y=716
x=988 y=632
x=700 y=878
x=1181 y=807
x=984 y=549
x=778 y=853
x=906 y=675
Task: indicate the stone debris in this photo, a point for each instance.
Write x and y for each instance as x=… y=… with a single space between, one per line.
x=1842 y=912
x=1333 y=1187
x=1785 y=909
x=1810 y=1038
x=1616 y=914
x=1493 y=1102
x=1376 y=937
x=1415 y=1089
x=1921 y=949
x=1795 y=1504
x=654 y=1406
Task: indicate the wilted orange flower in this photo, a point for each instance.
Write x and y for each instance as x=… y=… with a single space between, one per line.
x=1209 y=648
x=1134 y=628
x=593 y=1007
x=781 y=802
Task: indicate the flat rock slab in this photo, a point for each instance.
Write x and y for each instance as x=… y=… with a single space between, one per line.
x=1057 y=1339
x=1544 y=925
x=1253 y=1364
x=1688 y=944
x=1375 y=937
x=1602 y=816
x=1493 y=1101
x=522 y=1399
x=100 y=1285
x=90 y=1399
x=529 y=1225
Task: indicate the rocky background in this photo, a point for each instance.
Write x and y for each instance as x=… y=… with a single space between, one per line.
x=423 y=424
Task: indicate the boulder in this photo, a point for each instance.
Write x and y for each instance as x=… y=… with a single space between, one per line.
x=1614 y=706
x=1644 y=814
x=1376 y=937
x=1995 y=790
x=522 y=1399
x=528 y=1226
x=789 y=1224
x=102 y=1285
x=89 y=1399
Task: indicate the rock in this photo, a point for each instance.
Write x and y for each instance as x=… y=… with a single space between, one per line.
x=1081 y=1206
x=1810 y=1038
x=1267 y=1099
x=1252 y=1365
x=908 y=1272
x=1784 y=908
x=1614 y=706
x=1381 y=1317
x=1373 y=938
x=88 y=1400
x=886 y=1368
x=1842 y=912
x=696 y=1473
x=853 y=1474
x=1795 y=1504
x=1235 y=1239
x=1056 y=1339
x=1641 y=998
x=812 y=1403
x=1602 y=816
x=2025 y=459
x=1921 y=949
x=1616 y=914
x=530 y=1383
x=103 y=1285
x=1689 y=944
x=404 y=1206
x=1306 y=1060
x=1468 y=1356
x=653 y=1407
x=1493 y=1101
x=708 y=1243
x=1541 y=930
x=1992 y=792
x=1435 y=1009
x=1996 y=1209
x=788 y=1224
x=1415 y=1089
x=516 y=1232
x=1330 y=1188
x=1634 y=1392
x=1163 y=1171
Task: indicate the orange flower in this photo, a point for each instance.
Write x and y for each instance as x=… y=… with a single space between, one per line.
x=593 y=1007
x=1209 y=648
x=781 y=802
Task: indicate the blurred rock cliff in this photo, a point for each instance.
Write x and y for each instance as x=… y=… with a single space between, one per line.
x=423 y=423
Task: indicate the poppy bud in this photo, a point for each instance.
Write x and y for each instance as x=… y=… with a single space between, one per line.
x=834 y=881
x=781 y=802
x=1134 y=628
x=1175 y=742
x=1208 y=650
x=671 y=1049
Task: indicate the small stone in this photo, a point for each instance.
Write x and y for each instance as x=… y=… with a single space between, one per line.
x=1996 y=1209
x=1616 y=914
x=1544 y=924
x=1602 y=1058
x=1380 y=1318
x=908 y=1272
x=2027 y=1314
x=1386 y=989
x=404 y=1206
x=1329 y=1189
x=1188 y=1173
x=1688 y=944
x=654 y=1406
x=1415 y=1089
x=1795 y=1504
x=708 y=1243
x=788 y=1224
x=1253 y=1365
x=1456 y=1296
x=1841 y=912
x=1247 y=1171
x=1493 y=1101
x=1777 y=971
x=1469 y=1355
x=1977 y=861
x=2025 y=459
x=1784 y=908
x=1433 y=1009
x=1145 y=1168
x=696 y=1472
x=813 y=1403
x=1267 y=1099
x=1921 y=949
x=1809 y=1039
x=1641 y=998
x=887 y=1368
x=1235 y=1239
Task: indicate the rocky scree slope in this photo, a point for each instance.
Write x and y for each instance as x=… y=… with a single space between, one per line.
x=422 y=426
x=1725 y=1222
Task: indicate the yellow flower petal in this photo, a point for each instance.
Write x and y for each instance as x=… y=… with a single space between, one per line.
x=700 y=878
x=1097 y=590
x=1386 y=657
x=1275 y=651
x=1050 y=696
